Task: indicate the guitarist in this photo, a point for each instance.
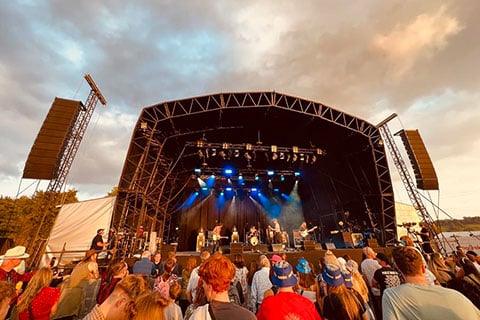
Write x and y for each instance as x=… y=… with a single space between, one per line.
x=217 y=235
x=305 y=232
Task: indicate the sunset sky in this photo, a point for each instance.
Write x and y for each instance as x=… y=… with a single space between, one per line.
x=419 y=59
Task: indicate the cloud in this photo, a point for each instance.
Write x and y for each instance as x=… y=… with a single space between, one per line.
x=417 y=40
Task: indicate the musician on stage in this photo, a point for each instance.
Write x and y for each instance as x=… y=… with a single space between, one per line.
x=304 y=231
x=217 y=236
x=275 y=227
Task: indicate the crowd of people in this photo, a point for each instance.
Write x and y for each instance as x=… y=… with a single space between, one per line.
x=408 y=284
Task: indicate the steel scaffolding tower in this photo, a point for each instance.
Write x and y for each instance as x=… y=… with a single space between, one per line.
x=408 y=182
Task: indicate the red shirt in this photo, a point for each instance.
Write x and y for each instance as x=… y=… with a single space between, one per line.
x=285 y=304
x=42 y=304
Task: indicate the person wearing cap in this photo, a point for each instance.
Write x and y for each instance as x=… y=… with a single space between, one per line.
x=216 y=273
x=11 y=259
x=341 y=302
x=386 y=276
x=286 y=303
x=416 y=299
x=307 y=286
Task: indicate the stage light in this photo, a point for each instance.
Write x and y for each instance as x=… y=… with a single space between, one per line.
x=254 y=190
x=282 y=178
x=248 y=147
x=257 y=177
x=214 y=152
x=282 y=156
x=222 y=194
x=143 y=125
x=296 y=173
x=276 y=190
x=222 y=154
x=314 y=159
x=225 y=145
x=228 y=172
x=274 y=156
x=229 y=189
x=270 y=173
x=319 y=151
x=273 y=148
x=295 y=149
x=204 y=188
x=302 y=157
x=197 y=171
x=199 y=143
x=236 y=153
x=294 y=157
x=197 y=193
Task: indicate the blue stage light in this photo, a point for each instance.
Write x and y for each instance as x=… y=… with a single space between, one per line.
x=270 y=173
x=197 y=170
x=297 y=173
x=228 y=171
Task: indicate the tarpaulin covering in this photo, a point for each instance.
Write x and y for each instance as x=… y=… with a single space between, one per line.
x=77 y=225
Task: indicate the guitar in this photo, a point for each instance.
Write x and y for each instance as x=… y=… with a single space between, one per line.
x=217 y=237
x=305 y=233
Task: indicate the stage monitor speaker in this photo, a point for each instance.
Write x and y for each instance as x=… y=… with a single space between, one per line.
x=425 y=175
x=347 y=238
x=330 y=246
x=236 y=248
x=47 y=151
x=277 y=247
x=308 y=245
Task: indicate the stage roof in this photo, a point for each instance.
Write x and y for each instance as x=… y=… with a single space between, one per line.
x=344 y=172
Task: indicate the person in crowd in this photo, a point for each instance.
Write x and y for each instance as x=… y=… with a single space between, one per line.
x=157 y=262
x=469 y=271
x=144 y=266
x=386 y=276
x=177 y=269
x=359 y=283
x=307 y=286
x=407 y=240
x=72 y=296
x=172 y=311
x=7 y=293
x=150 y=306
x=340 y=302
x=425 y=236
x=260 y=283
x=194 y=277
x=466 y=288
x=241 y=273
x=39 y=301
x=121 y=303
x=473 y=256
x=97 y=241
x=368 y=266
x=115 y=272
x=442 y=272
x=200 y=300
x=186 y=272
x=12 y=258
x=286 y=304
x=217 y=273
x=424 y=301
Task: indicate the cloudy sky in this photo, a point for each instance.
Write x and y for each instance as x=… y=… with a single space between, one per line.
x=419 y=59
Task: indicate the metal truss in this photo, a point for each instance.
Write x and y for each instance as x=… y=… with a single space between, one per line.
x=408 y=182
x=150 y=175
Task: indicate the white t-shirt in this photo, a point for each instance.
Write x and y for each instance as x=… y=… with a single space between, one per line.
x=426 y=302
